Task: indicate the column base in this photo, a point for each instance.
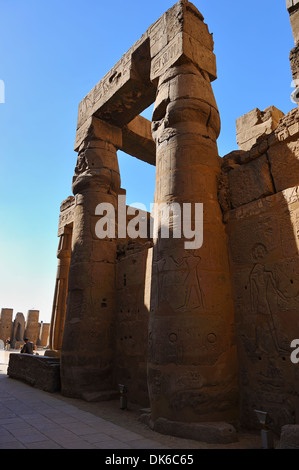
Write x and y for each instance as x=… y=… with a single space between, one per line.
x=211 y=433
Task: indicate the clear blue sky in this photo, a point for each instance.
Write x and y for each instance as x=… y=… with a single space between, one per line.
x=52 y=53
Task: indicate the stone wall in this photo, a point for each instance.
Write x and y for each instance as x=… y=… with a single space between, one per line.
x=130 y=360
x=259 y=195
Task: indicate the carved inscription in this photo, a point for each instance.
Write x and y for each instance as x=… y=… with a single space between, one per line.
x=66 y=217
x=105 y=89
x=167 y=57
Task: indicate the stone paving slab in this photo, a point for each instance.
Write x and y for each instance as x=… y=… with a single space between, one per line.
x=33 y=419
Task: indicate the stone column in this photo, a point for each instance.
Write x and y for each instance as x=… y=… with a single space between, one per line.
x=192 y=371
x=6 y=323
x=31 y=327
x=18 y=329
x=87 y=349
x=61 y=287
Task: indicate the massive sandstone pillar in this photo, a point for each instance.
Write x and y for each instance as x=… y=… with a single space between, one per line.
x=192 y=371
x=61 y=286
x=31 y=327
x=5 y=323
x=86 y=355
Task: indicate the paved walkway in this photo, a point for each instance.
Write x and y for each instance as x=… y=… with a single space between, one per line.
x=33 y=419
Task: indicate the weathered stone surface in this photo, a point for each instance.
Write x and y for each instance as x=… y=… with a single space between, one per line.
x=39 y=371
x=264 y=248
x=31 y=326
x=184 y=46
x=289 y=438
x=294 y=60
x=18 y=330
x=6 y=323
x=124 y=91
x=255 y=124
x=284 y=161
x=43 y=334
x=294 y=19
x=87 y=348
x=176 y=324
x=61 y=286
x=138 y=141
x=250 y=181
x=130 y=357
x=127 y=88
x=186 y=352
x=211 y=433
x=66 y=216
x=94 y=129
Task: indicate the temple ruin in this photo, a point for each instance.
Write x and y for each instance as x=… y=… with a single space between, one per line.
x=19 y=328
x=197 y=335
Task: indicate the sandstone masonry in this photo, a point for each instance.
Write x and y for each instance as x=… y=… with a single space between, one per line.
x=199 y=336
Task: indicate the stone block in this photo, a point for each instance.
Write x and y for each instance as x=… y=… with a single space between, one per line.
x=289 y=438
x=95 y=129
x=41 y=372
x=128 y=87
x=251 y=126
x=184 y=46
x=284 y=161
x=5 y=323
x=211 y=433
x=263 y=244
x=294 y=60
x=248 y=120
x=250 y=181
x=294 y=19
x=138 y=141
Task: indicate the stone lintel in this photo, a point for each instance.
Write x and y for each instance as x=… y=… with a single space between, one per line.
x=130 y=86
x=66 y=216
x=138 y=141
x=184 y=47
x=116 y=96
x=96 y=129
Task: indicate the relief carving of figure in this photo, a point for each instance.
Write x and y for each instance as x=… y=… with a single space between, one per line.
x=194 y=296
x=261 y=280
x=182 y=271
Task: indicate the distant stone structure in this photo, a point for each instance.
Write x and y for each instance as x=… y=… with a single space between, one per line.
x=18 y=329
x=199 y=335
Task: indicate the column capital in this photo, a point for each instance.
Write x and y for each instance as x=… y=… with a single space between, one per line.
x=96 y=129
